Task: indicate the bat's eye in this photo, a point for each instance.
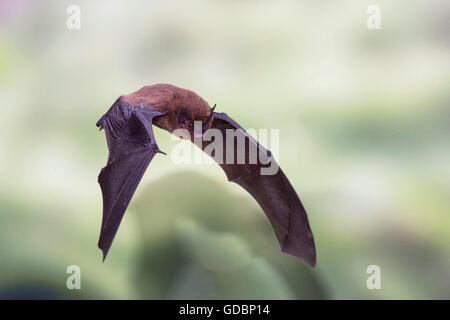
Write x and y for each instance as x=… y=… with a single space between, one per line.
x=185 y=120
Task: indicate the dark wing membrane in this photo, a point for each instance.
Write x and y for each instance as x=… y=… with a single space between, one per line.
x=132 y=146
x=273 y=192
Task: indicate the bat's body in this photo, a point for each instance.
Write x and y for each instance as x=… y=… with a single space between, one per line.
x=131 y=143
x=171 y=101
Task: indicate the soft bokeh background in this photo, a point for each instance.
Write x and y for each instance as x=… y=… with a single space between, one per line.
x=363 y=118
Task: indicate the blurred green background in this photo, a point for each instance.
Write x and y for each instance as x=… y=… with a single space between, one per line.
x=364 y=127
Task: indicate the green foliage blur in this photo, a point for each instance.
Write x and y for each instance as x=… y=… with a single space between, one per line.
x=364 y=127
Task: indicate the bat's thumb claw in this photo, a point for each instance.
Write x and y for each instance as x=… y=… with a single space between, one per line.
x=160 y=151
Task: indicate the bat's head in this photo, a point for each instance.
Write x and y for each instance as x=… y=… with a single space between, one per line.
x=187 y=120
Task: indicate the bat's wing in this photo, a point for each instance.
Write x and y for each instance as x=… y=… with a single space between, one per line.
x=273 y=192
x=132 y=146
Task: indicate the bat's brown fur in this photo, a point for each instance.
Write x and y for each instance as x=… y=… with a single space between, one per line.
x=170 y=100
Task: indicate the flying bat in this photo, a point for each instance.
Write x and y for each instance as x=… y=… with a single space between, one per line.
x=132 y=145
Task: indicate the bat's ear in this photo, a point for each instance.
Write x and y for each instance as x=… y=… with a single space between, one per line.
x=211 y=113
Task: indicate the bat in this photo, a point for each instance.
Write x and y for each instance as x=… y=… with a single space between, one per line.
x=132 y=146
